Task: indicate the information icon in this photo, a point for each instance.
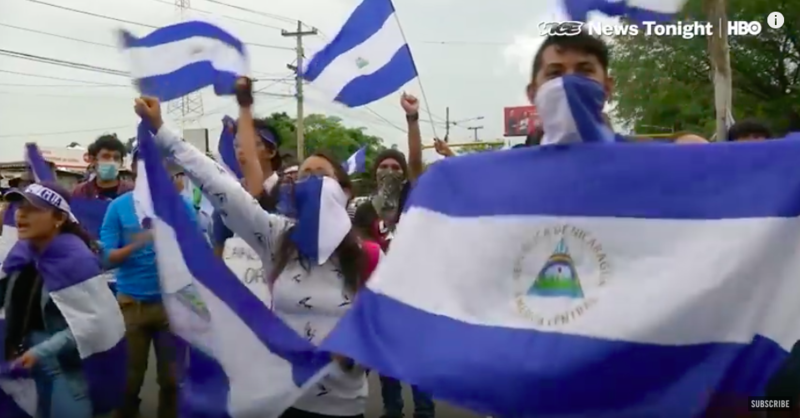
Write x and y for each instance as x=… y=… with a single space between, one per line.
x=775 y=20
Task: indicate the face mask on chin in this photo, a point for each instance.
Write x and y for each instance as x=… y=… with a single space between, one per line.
x=107 y=171
x=570 y=109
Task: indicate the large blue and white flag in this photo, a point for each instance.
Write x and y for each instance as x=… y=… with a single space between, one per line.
x=243 y=359
x=179 y=59
x=635 y=10
x=356 y=163
x=367 y=60
x=599 y=280
x=71 y=274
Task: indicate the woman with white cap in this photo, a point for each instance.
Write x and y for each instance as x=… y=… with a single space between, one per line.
x=51 y=297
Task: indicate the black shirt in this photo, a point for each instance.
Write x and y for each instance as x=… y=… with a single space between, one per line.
x=110 y=193
x=25 y=313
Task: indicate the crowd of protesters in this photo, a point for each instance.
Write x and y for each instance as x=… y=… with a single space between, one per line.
x=126 y=246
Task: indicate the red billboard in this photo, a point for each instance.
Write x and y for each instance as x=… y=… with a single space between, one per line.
x=520 y=120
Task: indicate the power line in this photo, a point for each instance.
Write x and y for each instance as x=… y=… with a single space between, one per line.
x=130 y=22
x=194 y=9
x=81 y=131
x=464 y=43
x=265 y=14
x=280 y=103
x=65 y=96
x=63 y=63
x=59 y=36
x=419 y=78
x=59 y=85
x=47 y=77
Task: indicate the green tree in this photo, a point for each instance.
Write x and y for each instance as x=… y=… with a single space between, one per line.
x=478 y=147
x=328 y=133
x=664 y=83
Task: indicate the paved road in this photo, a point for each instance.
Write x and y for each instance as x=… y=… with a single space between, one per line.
x=374 y=405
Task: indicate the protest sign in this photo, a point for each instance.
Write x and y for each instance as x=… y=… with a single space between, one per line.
x=247 y=266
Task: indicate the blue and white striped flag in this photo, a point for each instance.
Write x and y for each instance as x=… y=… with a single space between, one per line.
x=598 y=280
x=635 y=10
x=39 y=167
x=227 y=148
x=357 y=163
x=243 y=359
x=369 y=59
x=176 y=60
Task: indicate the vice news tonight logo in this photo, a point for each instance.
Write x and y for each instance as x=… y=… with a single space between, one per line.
x=560 y=28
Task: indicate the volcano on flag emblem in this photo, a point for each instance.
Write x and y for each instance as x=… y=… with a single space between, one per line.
x=558 y=277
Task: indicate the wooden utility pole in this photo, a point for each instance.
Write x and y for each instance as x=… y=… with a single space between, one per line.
x=298 y=83
x=719 y=55
x=475 y=130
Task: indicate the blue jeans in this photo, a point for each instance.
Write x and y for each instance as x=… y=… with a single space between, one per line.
x=392 y=394
x=58 y=397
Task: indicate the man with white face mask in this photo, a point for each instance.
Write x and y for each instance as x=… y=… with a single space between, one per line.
x=570 y=86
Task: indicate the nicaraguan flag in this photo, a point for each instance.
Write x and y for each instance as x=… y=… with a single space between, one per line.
x=635 y=10
x=243 y=359
x=226 y=147
x=357 y=163
x=600 y=280
x=72 y=276
x=179 y=59
x=369 y=59
x=38 y=165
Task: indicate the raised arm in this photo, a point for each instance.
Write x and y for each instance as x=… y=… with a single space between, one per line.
x=240 y=211
x=411 y=106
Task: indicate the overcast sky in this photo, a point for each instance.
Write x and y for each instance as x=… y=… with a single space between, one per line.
x=472 y=55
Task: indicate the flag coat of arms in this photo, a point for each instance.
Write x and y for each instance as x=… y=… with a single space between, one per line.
x=603 y=280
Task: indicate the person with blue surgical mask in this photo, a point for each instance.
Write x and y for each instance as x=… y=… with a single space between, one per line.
x=570 y=86
x=106 y=155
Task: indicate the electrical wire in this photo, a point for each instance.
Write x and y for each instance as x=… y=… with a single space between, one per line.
x=64 y=96
x=222 y=15
x=59 y=36
x=63 y=63
x=58 y=85
x=81 y=131
x=419 y=77
x=130 y=22
x=464 y=43
x=47 y=77
x=265 y=14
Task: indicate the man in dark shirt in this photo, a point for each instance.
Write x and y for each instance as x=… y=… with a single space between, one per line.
x=107 y=154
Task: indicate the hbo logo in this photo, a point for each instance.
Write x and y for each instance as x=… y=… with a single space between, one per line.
x=741 y=28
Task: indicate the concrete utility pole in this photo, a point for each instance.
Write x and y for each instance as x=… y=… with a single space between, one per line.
x=475 y=130
x=190 y=107
x=719 y=53
x=298 y=80
x=447 y=124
